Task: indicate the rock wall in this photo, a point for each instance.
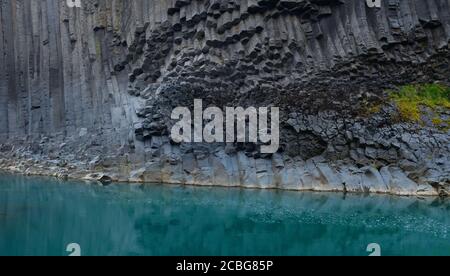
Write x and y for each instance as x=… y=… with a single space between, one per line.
x=89 y=91
x=56 y=67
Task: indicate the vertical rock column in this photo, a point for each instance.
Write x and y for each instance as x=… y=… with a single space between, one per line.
x=57 y=67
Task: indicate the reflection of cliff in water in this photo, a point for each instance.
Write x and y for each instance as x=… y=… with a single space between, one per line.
x=41 y=216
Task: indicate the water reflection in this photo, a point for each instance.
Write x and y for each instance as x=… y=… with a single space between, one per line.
x=40 y=216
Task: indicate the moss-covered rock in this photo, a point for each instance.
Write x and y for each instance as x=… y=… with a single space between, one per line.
x=421 y=102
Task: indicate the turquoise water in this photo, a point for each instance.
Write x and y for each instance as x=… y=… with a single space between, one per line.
x=41 y=216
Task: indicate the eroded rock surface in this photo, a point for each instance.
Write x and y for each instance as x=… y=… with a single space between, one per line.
x=87 y=93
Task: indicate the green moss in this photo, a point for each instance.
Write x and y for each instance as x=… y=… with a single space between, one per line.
x=437 y=121
x=374 y=109
x=410 y=98
x=408 y=111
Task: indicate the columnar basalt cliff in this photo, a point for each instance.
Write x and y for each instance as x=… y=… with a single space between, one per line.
x=87 y=92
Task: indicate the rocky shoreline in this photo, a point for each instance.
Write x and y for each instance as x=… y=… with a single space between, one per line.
x=399 y=185
x=366 y=170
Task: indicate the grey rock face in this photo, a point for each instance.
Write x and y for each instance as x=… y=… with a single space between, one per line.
x=101 y=81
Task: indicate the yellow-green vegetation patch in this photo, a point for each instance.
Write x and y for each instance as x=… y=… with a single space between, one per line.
x=411 y=98
x=374 y=109
x=437 y=121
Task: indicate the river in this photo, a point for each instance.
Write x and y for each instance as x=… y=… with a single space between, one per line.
x=42 y=216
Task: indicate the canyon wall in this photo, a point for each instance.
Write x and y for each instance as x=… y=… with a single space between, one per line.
x=89 y=91
x=56 y=68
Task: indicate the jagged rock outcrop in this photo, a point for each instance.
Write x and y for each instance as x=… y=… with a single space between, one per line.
x=87 y=92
